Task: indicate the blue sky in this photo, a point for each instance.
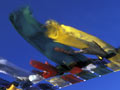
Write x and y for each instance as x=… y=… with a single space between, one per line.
x=97 y=17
